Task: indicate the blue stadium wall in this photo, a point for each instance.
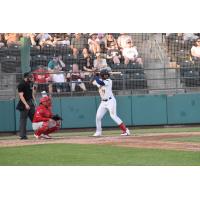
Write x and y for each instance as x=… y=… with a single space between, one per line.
x=79 y=112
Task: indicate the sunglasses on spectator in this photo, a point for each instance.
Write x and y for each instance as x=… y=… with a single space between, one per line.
x=198 y=41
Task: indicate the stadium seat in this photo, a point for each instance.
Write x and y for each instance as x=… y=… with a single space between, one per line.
x=39 y=60
x=47 y=50
x=34 y=50
x=191 y=78
x=62 y=50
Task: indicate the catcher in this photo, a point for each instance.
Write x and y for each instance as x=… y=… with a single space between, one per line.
x=44 y=122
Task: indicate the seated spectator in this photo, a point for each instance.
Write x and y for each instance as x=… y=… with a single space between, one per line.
x=61 y=39
x=78 y=44
x=87 y=64
x=42 y=79
x=130 y=54
x=101 y=38
x=122 y=40
x=12 y=39
x=113 y=54
x=31 y=36
x=110 y=39
x=59 y=80
x=93 y=43
x=195 y=51
x=56 y=60
x=100 y=62
x=1 y=41
x=189 y=36
x=44 y=38
x=75 y=76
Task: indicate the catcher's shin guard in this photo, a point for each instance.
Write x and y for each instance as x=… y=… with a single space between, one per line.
x=41 y=130
x=52 y=129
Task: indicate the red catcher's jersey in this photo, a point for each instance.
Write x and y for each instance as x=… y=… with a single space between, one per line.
x=42 y=114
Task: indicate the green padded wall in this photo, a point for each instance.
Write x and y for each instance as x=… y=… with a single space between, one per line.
x=149 y=110
x=78 y=112
x=183 y=108
x=7 y=117
x=123 y=111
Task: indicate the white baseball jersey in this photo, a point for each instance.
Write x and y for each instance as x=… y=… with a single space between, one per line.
x=105 y=91
x=108 y=103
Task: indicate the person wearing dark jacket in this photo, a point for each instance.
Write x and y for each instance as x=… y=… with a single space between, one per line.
x=26 y=104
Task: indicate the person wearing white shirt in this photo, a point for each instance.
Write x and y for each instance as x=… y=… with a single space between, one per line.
x=108 y=103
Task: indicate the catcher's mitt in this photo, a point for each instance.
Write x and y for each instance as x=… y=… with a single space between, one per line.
x=56 y=117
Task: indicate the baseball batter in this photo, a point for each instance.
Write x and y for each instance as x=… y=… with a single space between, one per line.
x=108 y=103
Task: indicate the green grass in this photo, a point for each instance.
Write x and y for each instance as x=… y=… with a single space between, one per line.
x=185 y=139
x=94 y=155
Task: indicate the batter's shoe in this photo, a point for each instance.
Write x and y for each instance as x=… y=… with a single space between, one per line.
x=46 y=136
x=126 y=133
x=97 y=134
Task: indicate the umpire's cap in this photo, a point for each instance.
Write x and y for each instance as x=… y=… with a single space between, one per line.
x=27 y=74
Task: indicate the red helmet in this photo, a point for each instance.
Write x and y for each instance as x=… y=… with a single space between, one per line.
x=45 y=99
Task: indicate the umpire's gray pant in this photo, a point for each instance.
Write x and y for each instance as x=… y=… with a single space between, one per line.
x=24 y=114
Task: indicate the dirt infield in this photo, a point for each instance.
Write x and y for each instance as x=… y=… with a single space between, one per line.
x=153 y=141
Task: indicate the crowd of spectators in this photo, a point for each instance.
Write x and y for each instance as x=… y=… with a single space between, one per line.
x=90 y=53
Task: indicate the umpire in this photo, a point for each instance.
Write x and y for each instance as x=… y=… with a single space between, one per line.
x=26 y=104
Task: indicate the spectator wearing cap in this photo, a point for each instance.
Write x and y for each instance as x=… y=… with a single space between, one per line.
x=122 y=40
x=78 y=43
x=93 y=43
x=26 y=104
x=130 y=54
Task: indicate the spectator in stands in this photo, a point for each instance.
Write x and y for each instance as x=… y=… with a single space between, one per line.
x=100 y=62
x=42 y=78
x=56 y=60
x=75 y=76
x=195 y=51
x=44 y=39
x=110 y=39
x=130 y=53
x=122 y=40
x=101 y=38
x=61 y=39
x=189 y=36
x=93 y=43
x=12 y=39
x=113 y=54
x=1 y=41
x=78 y=44
x=87 y=64
x=31 y=36
x=59 y=80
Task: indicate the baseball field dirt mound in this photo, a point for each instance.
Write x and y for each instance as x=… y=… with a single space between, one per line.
x=153 y=141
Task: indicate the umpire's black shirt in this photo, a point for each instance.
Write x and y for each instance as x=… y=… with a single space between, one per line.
x=26 y=88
